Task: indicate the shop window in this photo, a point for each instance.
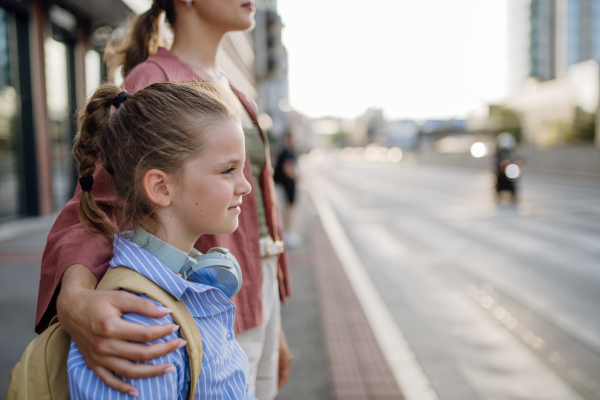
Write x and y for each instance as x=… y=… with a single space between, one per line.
x=93 y=74
x=59 y=115
x=9 y=119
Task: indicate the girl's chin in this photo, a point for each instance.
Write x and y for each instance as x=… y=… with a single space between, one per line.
x=228 y=229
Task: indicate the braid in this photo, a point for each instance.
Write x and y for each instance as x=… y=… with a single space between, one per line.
x=86 y=150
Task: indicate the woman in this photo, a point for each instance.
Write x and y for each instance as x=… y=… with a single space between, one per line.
x=74 y=261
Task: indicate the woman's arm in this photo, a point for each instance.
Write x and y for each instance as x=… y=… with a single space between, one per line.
x=73 y=262
x=86 y=383
x=285 y=360
x=94 y=321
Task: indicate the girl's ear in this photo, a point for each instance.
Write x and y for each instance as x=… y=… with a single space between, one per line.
x=157 y=188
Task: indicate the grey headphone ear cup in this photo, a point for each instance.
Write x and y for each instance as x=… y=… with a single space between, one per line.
x=221 y=257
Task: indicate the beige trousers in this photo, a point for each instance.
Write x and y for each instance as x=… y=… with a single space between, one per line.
x=261 y=343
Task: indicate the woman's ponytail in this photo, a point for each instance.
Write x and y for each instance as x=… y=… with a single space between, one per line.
x=141 y=39
x=93 y=120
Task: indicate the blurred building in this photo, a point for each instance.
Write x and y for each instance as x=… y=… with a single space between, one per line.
x=271 y=68
x=236 y=59
x=373 y=127
x=48 y=55
x=402 y=133
x=553 y=74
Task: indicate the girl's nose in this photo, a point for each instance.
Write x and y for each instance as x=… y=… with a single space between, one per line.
x=244 y=187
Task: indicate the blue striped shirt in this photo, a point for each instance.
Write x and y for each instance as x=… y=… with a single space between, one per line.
x=224 y=373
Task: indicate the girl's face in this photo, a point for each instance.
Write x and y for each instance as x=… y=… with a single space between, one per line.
x=229 y=15
x=207 y=197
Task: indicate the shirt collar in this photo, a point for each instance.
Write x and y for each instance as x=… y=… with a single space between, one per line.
x=133 y=256
x=169 y=256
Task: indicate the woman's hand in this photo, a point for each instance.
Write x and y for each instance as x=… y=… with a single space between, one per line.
x=285 y=360
x=93 y=319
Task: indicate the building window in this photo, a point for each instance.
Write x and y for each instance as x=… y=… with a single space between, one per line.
x=9 y=123
x=59 y=115
x=93 y=74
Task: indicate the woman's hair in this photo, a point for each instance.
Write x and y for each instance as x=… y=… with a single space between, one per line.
x=141 y=38
x=162 y=126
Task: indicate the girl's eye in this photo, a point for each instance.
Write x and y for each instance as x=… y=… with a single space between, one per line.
x=228 y=171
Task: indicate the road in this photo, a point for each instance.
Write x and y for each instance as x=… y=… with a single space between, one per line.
x=497 y=301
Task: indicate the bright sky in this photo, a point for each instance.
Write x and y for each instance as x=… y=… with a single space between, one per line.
x=413 y=58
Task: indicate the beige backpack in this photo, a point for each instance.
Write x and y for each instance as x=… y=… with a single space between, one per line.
x=41 y=374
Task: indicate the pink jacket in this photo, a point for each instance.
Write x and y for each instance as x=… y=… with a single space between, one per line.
x=69 y=243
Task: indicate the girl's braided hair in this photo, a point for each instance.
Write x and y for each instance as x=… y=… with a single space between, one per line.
x=162 y=126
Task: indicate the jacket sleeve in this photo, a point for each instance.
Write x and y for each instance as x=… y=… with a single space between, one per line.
x=69 y=243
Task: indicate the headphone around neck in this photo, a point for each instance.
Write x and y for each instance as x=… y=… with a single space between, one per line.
x=217 y=268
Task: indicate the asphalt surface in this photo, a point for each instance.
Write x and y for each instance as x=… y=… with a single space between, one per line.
x=497 y=300
x=19 y=281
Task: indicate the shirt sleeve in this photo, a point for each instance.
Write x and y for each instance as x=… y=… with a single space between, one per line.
x=84 y=384
x=69 y=243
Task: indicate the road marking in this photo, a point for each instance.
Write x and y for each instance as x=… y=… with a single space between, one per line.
x=486 y=299
x=402 y=361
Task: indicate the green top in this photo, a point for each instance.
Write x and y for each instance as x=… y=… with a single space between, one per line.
x=255 y=146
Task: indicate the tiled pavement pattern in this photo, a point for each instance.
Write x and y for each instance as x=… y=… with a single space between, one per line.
x=357 y=366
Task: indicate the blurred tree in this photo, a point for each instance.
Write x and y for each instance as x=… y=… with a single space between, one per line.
x=504 y=119
x=583 y=128
x=338 y=139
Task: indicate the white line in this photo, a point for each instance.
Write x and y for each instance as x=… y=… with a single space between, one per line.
x=402 y=361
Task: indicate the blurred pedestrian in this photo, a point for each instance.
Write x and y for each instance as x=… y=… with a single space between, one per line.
x=286 y=175
x=74 y=261
x=508 y=168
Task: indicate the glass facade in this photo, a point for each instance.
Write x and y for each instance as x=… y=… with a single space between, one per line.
x=57 y=98
x=583 y=30
x=9 y=123
x=28 y=30
x=572 y=32
x=542 y=50
x=596 y=30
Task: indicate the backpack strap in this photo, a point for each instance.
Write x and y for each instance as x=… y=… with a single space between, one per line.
x=127 y=279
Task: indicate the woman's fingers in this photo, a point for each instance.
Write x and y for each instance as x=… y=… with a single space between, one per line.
x=141 y=352
x=129 y=303
x=112 y=381
x=118 y=328
x=130 y=370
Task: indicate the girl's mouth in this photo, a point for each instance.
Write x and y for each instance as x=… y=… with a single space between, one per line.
x=236 y=207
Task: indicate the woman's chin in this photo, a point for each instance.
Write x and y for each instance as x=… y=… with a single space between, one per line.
x=244 y=23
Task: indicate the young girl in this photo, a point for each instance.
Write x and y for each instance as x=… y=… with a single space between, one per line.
x=175 y=153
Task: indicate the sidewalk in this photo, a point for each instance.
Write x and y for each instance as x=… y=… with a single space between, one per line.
x=21 y=246
x=336 y=354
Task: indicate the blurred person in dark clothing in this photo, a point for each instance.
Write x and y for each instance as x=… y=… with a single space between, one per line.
x=286 y=175
x=508 y=168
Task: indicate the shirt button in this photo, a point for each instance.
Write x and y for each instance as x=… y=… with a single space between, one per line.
x=229 y=336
